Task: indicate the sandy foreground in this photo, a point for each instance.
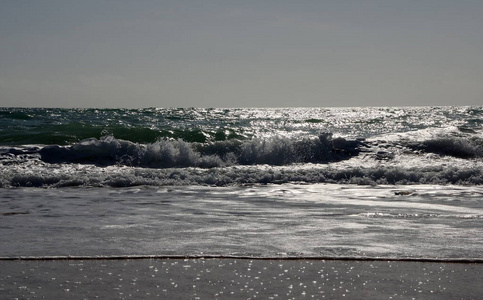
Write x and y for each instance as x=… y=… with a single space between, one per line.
x=238 y=279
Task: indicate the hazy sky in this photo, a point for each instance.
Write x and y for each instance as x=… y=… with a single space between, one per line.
x=209 y=53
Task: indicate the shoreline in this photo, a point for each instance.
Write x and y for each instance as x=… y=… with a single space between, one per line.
x=459 y=260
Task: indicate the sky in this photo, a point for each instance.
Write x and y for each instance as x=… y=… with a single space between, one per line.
x=250 y=53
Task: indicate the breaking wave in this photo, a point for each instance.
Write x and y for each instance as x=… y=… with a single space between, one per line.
x=110 y=161
x=455 y=146
x=178 y=153
x=79 y=175
x=275 y=150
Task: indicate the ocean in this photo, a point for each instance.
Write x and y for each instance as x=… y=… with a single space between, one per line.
x=368 y=182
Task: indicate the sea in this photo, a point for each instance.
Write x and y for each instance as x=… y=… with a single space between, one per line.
x=350 y=183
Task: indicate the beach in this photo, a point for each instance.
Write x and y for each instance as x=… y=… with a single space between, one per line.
x=241 y=149
x=238 y=279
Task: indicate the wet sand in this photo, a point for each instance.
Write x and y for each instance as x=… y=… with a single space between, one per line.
x=238 y=279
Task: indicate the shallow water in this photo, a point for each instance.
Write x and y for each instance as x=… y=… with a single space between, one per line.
x=310 y=220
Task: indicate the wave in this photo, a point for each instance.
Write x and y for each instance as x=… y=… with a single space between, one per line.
x=15 y=115
x=275 y=150
x=85 y=175
x=66 y=134
x=443 y=159
x=169 y=153
x=452 y=146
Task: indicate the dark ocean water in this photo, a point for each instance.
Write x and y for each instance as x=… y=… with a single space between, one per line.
x=357 y=182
